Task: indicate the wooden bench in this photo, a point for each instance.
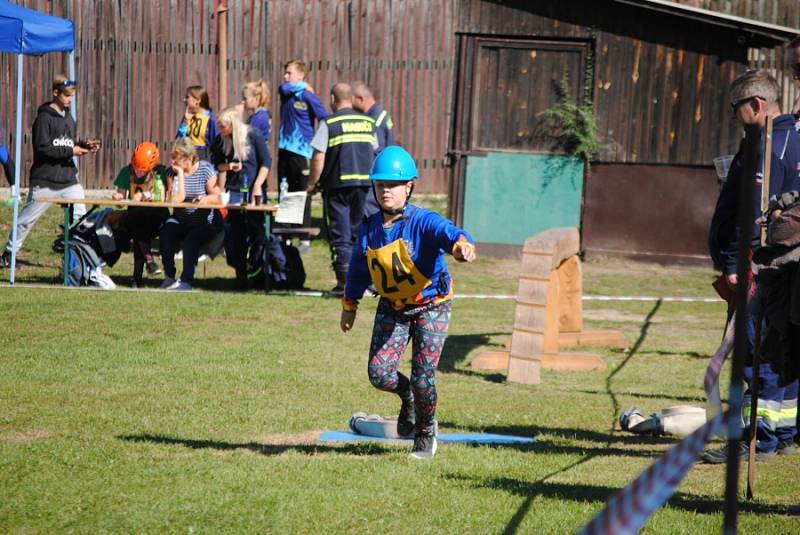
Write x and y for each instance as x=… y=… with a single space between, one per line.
x=304 y=233
x=549 y=313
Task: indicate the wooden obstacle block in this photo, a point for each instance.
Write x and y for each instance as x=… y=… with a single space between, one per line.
x=597 y=337
x=573 y=362
x=499 y=360
x=490 y=360
x=549 y=312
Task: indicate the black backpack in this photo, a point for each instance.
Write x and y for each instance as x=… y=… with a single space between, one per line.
x=286 y=266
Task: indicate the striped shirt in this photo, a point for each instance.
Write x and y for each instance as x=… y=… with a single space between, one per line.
x=195 y=186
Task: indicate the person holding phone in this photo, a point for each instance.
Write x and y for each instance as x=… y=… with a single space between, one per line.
x=53 y=173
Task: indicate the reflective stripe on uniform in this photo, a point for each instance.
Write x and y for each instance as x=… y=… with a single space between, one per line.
x=354 y=177
x=350 y=118
x=351 y=138
x=788 y=413
x=769 y=412
x=380 y=118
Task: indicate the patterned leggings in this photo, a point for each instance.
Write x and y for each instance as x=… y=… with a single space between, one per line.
x=426 y=326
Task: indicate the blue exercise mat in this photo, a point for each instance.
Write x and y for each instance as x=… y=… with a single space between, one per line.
x=471 y=438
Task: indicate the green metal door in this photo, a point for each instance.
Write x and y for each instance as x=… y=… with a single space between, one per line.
x=516 y=177
x=509 y=197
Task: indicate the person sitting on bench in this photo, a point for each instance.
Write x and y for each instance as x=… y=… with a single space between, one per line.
x=195 y=181
x=144 y=179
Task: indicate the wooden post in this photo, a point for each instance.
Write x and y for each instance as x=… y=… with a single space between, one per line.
x=549 y=313
x=222 y=14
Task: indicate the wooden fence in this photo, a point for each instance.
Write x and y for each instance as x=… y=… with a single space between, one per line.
x=134 y=60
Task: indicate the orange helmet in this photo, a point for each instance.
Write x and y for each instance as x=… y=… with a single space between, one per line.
x=145 y=157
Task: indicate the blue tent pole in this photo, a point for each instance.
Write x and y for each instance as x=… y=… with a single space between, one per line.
x=17 y=170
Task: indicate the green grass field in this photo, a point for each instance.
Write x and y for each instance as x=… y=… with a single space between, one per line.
x=146 y=411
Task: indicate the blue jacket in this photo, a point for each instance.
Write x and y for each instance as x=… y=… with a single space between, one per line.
x=784 y=176
x=427 y=235
x=260 y=121
x=299 y=109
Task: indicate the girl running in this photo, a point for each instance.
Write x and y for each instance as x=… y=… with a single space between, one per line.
x=401 y=251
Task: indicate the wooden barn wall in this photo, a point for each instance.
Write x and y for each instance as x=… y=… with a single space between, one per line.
x=134 y=60
x=659 y=95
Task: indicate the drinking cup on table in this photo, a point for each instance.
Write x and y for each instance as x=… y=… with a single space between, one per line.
x=225 y=197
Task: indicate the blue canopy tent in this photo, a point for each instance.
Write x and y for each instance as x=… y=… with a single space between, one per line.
x=25 y=31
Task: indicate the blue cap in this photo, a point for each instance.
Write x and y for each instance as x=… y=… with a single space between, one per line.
x=393 y=163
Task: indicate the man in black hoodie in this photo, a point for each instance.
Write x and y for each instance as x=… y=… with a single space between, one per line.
x=53 y=173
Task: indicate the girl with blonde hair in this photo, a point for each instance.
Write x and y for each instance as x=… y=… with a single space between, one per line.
x=241 y=154
x=256 y=100
x=189 y=228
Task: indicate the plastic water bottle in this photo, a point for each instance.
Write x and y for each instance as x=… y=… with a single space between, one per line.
x=158 y=190
x=175 y=187
x=284 y=188
x=244 y=190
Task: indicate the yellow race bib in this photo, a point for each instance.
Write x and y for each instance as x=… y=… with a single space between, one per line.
x=197 y=129
x=393 y=272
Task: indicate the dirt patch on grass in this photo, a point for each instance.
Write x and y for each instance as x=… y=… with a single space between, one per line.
x=290 y=439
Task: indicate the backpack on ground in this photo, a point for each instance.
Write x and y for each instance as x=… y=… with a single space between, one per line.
x=286 y=266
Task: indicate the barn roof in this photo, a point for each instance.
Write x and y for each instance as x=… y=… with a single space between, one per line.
x=766 y=34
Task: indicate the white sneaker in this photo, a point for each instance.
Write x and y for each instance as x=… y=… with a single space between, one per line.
x=424 y=447
x=202 y=258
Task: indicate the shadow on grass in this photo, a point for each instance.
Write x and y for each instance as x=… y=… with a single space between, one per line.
x=593 y=493
x=699 y=399
x=458 y=346
x=366 y=448
x=569 y=433
x=690 y=354
x=633 y=350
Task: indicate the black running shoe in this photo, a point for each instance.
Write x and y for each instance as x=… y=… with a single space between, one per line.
x=424 y=447
x=408 y=417
x=5 y=259
x=152 y=268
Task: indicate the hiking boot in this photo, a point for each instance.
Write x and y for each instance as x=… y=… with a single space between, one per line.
x=424 y=447
x=786 y=447
x=720 y=455
x=341 y=280
x=408 y=417
x=168 y=281
x=152 y=268
x=5 y=259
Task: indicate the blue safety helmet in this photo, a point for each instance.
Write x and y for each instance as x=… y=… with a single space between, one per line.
x=393 y=163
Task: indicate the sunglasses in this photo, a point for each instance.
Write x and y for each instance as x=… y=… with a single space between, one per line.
x=738 y=103
x=67 y=83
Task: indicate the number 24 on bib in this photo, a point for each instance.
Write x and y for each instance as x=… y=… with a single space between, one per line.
x=393 y=272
